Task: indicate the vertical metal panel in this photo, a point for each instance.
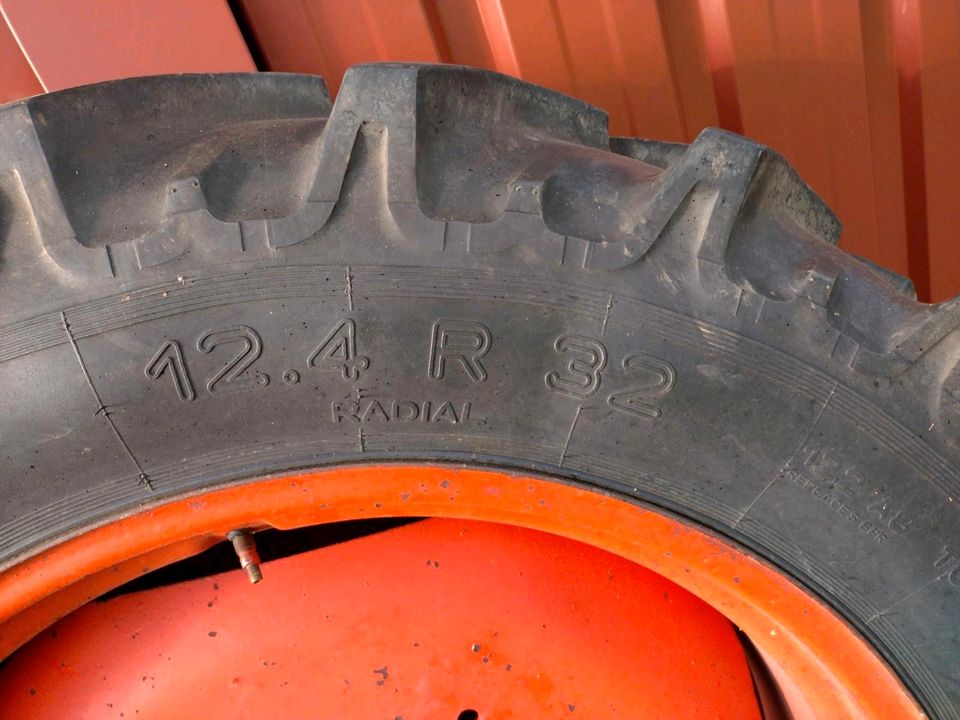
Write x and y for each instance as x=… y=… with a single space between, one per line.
x=884 y=127
x=686 y=34
x=70 y=43
x=287 y=38
x=326 y=38
x=718 y=46
x=860 y=96
x=18 y=79
x=939 y=144
x=475 y=34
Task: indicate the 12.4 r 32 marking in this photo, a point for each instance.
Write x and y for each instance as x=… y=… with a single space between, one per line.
x=459 y=343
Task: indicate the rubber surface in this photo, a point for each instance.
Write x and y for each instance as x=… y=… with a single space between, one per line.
x=205 y=278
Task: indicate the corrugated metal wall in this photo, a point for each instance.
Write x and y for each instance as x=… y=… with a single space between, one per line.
x=860 y=96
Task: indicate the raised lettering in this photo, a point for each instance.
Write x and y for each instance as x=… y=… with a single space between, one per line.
x=170 y=357
x=405 y=410
x=374 y=411
x=582 y=376
x=231 y=373
x=445 y=412
x=338 y=351
x=345 y=409
x=460 y=341
x=657 y=379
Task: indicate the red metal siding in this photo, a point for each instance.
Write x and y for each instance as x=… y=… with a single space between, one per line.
x=18 y=78
x=71 y=42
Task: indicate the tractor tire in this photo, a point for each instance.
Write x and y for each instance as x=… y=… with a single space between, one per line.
x=211 y=278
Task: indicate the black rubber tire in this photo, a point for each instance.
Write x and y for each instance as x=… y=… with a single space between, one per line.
x=205 y=279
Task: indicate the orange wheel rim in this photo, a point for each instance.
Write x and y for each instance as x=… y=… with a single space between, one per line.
x=825 y=668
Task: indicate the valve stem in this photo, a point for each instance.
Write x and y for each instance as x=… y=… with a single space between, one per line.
x=246 y=549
